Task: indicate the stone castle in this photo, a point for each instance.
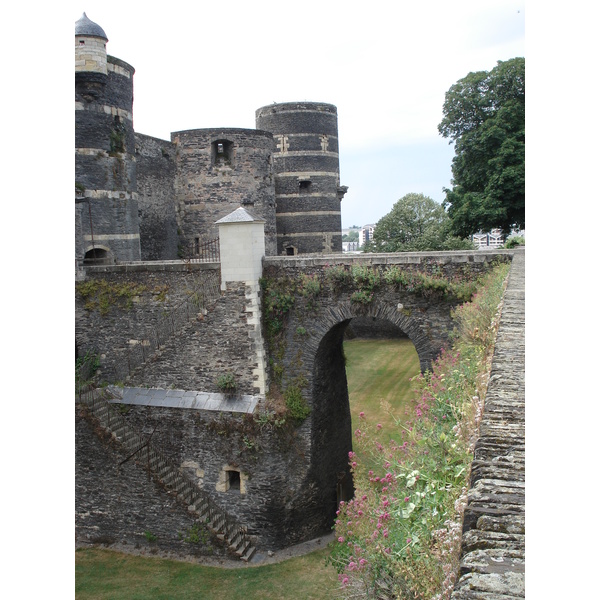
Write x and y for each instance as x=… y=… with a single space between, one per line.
x=140 y=198
x=165 y=459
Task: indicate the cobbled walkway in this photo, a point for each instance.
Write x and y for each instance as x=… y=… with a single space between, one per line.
x=493 y=547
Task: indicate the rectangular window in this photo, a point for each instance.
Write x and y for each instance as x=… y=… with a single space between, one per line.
x=233 y=480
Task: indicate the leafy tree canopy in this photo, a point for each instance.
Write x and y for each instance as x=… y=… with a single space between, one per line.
x=415 y=223
x=484 y=116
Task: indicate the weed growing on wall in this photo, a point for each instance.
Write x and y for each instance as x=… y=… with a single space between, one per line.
x=309 y=286
x=196 y=534
x=297 y=407
x=400 y=535
x=226 y=383
x=102 y=295
x=150 y=536
x=430 y=285
x=277 y=299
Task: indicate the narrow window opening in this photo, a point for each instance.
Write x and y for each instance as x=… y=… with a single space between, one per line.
x=222 y=153
x=82 y=42
x=291 y=251
x=197 y=245
x=304 y=185
x=233 y=480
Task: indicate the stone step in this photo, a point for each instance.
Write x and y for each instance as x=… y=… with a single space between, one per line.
x=248 y=554
x=168 y=478
x=217 y=524
x=239 y=543
x=199 y=505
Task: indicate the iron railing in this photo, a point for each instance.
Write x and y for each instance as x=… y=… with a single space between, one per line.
x=200 y=251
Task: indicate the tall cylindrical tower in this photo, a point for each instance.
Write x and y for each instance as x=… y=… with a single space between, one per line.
x=105 y=178
x=307 y=176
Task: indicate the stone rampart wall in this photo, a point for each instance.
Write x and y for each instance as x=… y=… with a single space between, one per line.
x=493 y=546
x=139 y=297
x=156 y=169
x=118 y=504
x=290 y=479
x=219 y=338
x=270 y=462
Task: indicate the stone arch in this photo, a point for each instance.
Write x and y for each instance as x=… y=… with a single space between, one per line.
x=330 y=419
x=98 y=255
x=345 y=311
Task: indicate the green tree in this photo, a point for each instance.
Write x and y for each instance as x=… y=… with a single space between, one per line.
x=415 y=223
x=484 y=116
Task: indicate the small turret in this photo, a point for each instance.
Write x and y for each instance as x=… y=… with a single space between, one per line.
x=105 y=167
x=90 y=46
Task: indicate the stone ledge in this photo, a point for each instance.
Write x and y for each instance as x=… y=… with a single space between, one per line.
x=148 y=266
x=185 y=399
x=454 y=256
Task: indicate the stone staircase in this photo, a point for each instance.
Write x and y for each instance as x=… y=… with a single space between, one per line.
x=219 y=522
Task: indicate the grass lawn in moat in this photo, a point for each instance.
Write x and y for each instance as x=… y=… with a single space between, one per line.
x=377 y=370
x=107 y=575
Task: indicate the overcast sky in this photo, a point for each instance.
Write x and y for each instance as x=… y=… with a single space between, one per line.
x=385 y=65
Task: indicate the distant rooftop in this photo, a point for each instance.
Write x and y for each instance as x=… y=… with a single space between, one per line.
x=86 y=27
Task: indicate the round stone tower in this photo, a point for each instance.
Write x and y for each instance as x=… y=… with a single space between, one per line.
x=105 y=179
x=219 y=170
x=307 y=176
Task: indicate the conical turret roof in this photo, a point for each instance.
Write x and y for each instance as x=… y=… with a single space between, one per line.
x=86 y=27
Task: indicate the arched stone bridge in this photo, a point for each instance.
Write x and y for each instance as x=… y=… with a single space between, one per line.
x=307 y=305
x=291 y=485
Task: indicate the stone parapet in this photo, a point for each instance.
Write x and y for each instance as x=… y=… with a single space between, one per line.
x=493 y=547
x=391 y=258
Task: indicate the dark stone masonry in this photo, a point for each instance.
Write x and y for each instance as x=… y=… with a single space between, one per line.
x=493 y=548
x=290 y=479
x=130 y=510
x=152 y=199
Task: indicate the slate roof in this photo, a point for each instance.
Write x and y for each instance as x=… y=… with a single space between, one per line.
x=239 y=215
x=86 y=27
